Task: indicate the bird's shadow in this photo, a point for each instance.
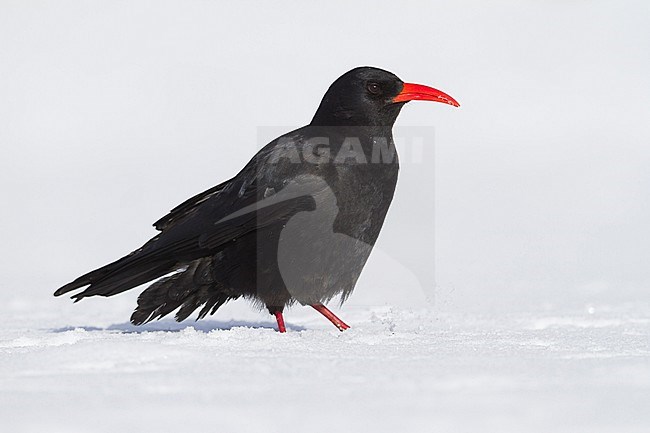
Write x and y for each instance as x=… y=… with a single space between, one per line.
x=172 y=326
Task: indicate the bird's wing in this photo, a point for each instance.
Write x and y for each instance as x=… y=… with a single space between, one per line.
x=201 y=225
x=269 y=160
x=265 y=193
x=270 y=189
x=263 y=212
x=188 y=206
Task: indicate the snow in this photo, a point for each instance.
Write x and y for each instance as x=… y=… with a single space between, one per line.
x=396 y=369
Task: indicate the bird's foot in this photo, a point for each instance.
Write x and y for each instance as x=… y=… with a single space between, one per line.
x=331 y=317
x=280 y=319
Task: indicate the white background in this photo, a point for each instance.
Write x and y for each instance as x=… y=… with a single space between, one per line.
x=111 y=113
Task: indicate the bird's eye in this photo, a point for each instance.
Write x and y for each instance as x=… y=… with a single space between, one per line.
x=374 y=88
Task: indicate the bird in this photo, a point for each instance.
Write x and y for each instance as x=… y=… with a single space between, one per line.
x=296 y=225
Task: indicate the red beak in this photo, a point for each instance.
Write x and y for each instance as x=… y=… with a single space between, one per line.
x=411 y=92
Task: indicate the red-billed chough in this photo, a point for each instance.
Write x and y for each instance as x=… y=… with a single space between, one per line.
x=297 y=223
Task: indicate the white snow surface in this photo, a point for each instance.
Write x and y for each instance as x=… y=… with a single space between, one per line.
x=395 y=370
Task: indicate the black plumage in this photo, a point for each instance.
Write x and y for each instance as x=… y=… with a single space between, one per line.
x=296 y=224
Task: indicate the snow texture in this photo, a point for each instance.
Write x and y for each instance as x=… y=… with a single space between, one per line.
x=395 y=370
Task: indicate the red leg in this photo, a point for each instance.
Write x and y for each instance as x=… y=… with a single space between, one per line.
x=280 y=319
x=331 y=316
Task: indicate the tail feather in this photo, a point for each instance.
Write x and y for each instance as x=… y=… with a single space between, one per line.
x=119 y=276
x=124 y=281
x=151 y=261
x=91 y=277
x=188 y=289
x=156 y=302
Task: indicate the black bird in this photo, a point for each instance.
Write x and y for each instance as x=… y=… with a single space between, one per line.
x=297 y=223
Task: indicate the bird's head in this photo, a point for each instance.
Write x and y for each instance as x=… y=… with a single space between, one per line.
x=367 y=96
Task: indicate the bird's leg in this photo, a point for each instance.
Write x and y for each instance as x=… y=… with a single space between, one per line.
x=330 y=316
x=280 y=319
